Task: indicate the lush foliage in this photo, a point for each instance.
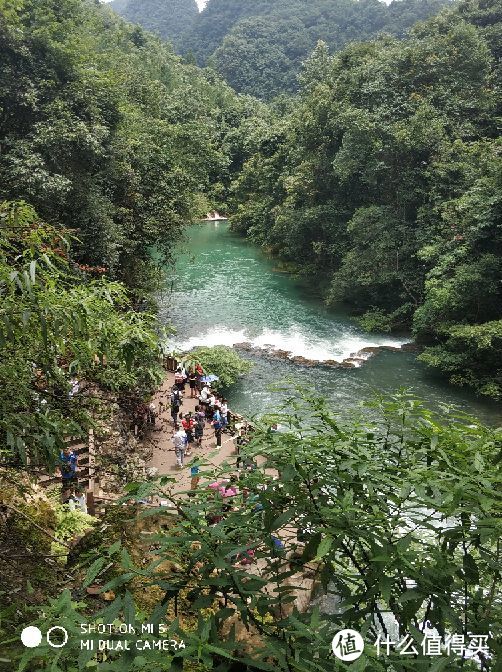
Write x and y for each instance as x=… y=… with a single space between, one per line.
x=222 y=362
x=384 y=184
x=59 y=326
x=70 y=524
x=167 y=18
x=394 y=520
x=259 y=46
x=104 y=131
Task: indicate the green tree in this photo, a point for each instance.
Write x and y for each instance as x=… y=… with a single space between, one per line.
x=106 y=132
x=61 y=325
x=168 y=19
x=382 y=185
x=259 y=47
x=393 y=517
x=222 y=362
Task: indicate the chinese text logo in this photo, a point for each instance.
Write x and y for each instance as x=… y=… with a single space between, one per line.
x=348 y=645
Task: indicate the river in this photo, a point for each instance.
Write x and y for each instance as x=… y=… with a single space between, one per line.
x=227 y=291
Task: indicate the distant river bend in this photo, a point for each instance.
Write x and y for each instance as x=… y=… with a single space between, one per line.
x=226 y=292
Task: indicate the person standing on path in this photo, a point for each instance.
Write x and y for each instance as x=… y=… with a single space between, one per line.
x=192 y=381
x=200 y=418
x=188 y=425
x=184 y=373
x=204 y=395
x=180 y=443
x=217 y=426
x=176 y=402
x=151 y=414
x=68 y=464
x=211 y=401
x=199 y=372
x=195 y=478
x=224 y=414
x=179 y=379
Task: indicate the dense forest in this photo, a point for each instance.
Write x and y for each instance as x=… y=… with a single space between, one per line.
x=381 y=184
x=258 y=47
x=110 y=145
x=104 y=131
x=384 y=183
x=168 y=19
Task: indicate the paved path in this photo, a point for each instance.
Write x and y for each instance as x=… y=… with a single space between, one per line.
x=164 y=458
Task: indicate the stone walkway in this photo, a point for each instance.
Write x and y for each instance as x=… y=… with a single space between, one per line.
x=164 y=458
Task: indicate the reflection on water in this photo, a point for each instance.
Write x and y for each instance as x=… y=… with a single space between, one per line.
x=226 y=291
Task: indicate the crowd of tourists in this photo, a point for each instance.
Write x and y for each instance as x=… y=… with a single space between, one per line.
x=212 y=408
x=210 y=411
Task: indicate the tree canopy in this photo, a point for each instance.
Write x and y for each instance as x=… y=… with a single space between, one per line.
x=381 y=182
x=393 y=517
x=169 y=19
x=384 y=184
x=106 y=132
x=258 y=47
x=62 y=325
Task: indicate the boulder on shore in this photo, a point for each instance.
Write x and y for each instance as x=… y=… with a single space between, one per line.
x=331 y=362
x=245 y=345
x=303 y=361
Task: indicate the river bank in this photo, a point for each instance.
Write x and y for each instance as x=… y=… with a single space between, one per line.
x=226 y=291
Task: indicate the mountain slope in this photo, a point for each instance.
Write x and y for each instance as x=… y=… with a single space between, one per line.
x=258 y=45
x=167 y=18
x=384 y=185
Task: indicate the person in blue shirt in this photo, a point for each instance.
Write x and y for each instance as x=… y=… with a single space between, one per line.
x=68 y=464
x=218 y=426
x=195 y=478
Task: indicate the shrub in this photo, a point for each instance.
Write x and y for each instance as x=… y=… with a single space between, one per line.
x=222 y=362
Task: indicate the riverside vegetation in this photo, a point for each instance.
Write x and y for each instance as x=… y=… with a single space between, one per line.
x=387 y=167
x=383 y=182
x=400 y=527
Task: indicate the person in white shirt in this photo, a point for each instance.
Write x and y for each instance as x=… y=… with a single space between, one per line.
x=204 y=394
x=180 y=445
x=78 y=500
x=224 y=413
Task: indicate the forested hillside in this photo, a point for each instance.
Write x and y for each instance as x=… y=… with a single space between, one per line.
x=384 y=183
x=380 y=183
x=168 y=19
x=109 y=145
x=258 y=46
x=105 y=132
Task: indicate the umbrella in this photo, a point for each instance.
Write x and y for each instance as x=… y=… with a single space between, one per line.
x=209 y=379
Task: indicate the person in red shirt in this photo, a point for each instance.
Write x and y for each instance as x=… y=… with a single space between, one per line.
x=199 y=372
x=188 y=424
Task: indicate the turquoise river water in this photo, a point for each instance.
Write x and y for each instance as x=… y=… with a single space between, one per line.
x=227 y=291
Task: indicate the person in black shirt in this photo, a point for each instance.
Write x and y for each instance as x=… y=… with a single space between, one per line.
x=192 y=381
